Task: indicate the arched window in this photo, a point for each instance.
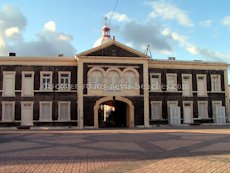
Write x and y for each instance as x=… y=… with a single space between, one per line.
x=113 y=77
x=96 y=77
x=130 y=78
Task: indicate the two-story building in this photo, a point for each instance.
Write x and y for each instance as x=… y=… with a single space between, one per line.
x=111 y=85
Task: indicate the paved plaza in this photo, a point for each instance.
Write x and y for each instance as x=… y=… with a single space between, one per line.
x=158 y=150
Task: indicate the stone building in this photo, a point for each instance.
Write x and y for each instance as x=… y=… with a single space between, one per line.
x=111 y=85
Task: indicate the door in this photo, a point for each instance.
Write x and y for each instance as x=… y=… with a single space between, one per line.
x=28 y=85
x=188 y=113
x=27 y=114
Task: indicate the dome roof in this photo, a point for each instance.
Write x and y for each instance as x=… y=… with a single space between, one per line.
x=101 y=41
x=105 y=37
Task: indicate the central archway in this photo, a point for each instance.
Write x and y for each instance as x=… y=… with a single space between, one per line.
x=129 y=110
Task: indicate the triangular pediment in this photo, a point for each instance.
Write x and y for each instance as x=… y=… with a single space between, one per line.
x=113 y=49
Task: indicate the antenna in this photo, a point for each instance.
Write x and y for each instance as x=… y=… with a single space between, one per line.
x=113 y=12
x=148 y=51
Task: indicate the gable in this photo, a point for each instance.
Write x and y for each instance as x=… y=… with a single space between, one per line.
x=113 y=50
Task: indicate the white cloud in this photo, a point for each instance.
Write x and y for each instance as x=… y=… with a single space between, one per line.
x=206 y=23
x=192 y=49
x=118 y=16
x=50 y=26
x=170 y=12
x=226 y=21
x=10 y=32
x=64 y=37
x=47 y=42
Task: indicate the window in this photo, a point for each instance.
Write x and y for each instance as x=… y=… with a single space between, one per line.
x=64 y=111
x=216 y=84
x=216 y=105
x=171 y=104
x=8 y=84
x=187 y=84
x=64 y=80
x=46 y=81
x=156 y=110
x=8 y=111
x=45 y=111
x=130 y=78
x=27 y=83
x=203 y=109
x=171 y=82
x=201 y=85
x=113 y=77
x=155 y=80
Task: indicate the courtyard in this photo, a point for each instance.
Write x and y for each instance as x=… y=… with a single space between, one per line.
x=182 y=149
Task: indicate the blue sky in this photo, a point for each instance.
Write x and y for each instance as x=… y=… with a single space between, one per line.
x=188 y=30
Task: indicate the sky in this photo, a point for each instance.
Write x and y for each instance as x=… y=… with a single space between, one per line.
x=185 y=29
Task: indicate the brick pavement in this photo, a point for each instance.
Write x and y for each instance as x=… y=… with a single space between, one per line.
x=111 y=151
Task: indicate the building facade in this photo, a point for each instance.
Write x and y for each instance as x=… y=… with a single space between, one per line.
x=111 y=85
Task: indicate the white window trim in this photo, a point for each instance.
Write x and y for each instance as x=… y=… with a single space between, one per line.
x=213 y=102
x=40 y=111
x=219 y=76
x=59 y=80
x=190 y=102
x=59 y=110
x=23 y=83
x=160 y=82
x=168 y=102
x=190 y=85
x=171 y=74
x=160 y=109
x=206 y=105
x=3 y=110
x=32 y=107
x=4 y=76
x=205 y=79
x=41 y=77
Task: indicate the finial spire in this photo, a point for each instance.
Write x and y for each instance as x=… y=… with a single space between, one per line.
x=106 y=21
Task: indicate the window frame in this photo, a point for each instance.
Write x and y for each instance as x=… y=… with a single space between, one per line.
x=158 y=89
x=169 y=89
x=158 y=102
x=69 y=110
x=190 y=85
x=205 y=83
x=4 y=83
x=23 y=83
x=219 y=83
x=3 y=110
x=69 y=80
x=206 y=108
x=42 y=73
x=40 y=111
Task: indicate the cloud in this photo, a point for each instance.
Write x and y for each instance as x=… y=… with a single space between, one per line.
x=47 y=42
x=50 y=26
x=194 y=49
x=206 y=23
x=118 y=16
x=170 y=12
x=10 y=32
x=226 y=21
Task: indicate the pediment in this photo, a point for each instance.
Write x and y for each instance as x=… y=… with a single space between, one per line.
x=113 y=49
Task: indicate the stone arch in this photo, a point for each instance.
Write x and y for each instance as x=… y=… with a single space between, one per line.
x=130 y=110
x=92 y=70
x=115 y=69
x=130 y=69
x=95 y=68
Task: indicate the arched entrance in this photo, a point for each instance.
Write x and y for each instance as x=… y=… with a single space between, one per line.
x=119 y=112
